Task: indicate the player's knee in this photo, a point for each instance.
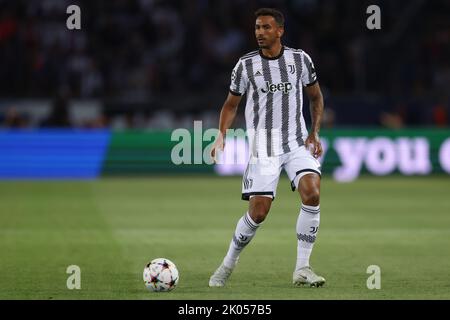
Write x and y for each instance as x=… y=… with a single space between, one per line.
x=259 y=209
x=311 y=198
x=258 y=216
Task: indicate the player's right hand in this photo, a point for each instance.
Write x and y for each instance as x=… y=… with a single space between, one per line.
x=313 y=144
x=217 y=147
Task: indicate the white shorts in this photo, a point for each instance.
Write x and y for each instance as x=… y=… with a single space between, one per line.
x=262 y=174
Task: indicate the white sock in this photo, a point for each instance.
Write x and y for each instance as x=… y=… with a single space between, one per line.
x=245 y=230
x=307 y=228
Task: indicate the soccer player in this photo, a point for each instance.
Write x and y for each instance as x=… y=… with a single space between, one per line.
x=273 y=78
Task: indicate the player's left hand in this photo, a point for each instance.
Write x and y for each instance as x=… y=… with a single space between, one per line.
x=313 y=144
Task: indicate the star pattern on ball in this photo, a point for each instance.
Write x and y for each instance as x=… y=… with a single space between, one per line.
x=172 y=283
x=164 y=265
x=154 y=279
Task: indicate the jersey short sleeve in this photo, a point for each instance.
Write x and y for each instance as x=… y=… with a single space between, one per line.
x=309 y=76
x=238 y=84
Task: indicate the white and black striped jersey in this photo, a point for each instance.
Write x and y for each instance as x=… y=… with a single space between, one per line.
x=274 y=86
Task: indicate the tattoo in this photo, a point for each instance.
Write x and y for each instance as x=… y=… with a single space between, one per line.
x=316 y=107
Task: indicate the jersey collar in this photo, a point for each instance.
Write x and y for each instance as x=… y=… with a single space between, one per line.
x=271 y=58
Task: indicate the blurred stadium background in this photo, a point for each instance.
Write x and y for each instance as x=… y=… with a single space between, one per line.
x=149 y=65
x=104 y=100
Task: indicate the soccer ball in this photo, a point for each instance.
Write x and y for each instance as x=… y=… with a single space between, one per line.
x=160 y=274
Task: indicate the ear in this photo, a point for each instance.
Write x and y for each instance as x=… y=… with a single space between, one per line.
x=280 y=32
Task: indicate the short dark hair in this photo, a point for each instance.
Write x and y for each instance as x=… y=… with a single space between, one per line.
x=277 y=15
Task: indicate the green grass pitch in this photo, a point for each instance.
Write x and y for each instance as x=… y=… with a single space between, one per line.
x=112 y=227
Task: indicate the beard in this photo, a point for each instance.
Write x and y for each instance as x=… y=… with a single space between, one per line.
x=266 y=44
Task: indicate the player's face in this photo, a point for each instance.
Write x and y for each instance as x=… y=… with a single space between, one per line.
x=267 y=31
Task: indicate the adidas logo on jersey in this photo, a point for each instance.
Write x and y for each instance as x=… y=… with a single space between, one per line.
x=258 y=73
x=284 y=87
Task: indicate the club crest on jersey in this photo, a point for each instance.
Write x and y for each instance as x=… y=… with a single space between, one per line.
x=284 y=87
x=291 y=68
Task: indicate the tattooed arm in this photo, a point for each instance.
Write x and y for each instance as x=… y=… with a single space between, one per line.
x=316 y=106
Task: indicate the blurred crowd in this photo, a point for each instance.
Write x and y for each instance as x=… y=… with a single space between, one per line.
x=162 y=62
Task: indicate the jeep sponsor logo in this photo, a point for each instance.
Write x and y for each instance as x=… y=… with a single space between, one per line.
x=284 y=87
